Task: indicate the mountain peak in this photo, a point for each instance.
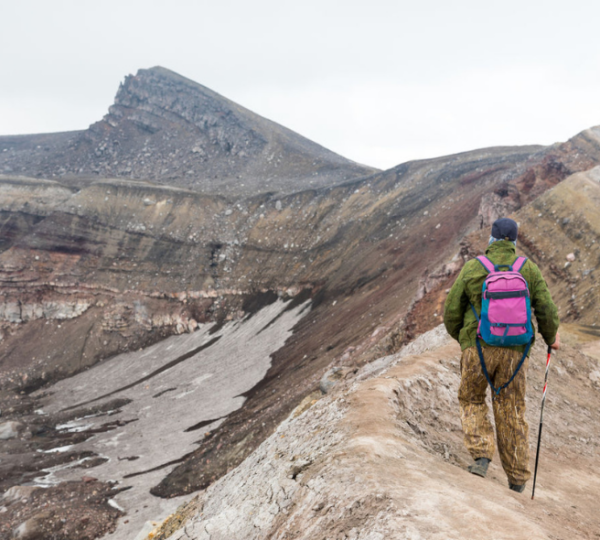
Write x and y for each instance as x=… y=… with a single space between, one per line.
x=156 y=77
x=169 y=129
x=160 y=71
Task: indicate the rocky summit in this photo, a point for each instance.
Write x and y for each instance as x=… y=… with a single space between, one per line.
x=211 y=327
x=165 y=128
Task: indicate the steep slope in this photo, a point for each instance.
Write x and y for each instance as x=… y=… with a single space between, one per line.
x=561 y=231
x=167 y=128
x=545 y=235
x=382 y=457
x=122 y=264
x=131 y=258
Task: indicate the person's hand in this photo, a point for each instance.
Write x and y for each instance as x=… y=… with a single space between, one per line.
x=556 y=344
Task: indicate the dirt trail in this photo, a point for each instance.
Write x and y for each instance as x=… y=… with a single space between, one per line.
x=382 y=457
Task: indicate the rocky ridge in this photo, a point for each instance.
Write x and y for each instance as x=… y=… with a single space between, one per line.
x=381 y=456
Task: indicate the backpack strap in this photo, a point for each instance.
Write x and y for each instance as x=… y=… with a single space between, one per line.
x=486 y=263
x=496 y=391
x=491 y=267
x=518 y=264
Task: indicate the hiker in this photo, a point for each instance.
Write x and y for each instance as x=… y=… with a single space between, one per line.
x=462 y=311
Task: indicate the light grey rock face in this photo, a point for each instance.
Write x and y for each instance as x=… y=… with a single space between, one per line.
x=10 y=312
x=594 y=174
x=10 y=430
x=329 y=380
x=17 y=312
x=332 y=377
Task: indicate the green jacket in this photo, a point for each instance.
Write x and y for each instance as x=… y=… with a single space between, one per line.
x=458 y=316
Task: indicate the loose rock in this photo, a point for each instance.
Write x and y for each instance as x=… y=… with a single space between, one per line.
x=10 y=430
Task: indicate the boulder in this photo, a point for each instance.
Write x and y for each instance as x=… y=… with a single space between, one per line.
x=35 y=528
x=88 y=479
x=17 y=493
x=10 y=430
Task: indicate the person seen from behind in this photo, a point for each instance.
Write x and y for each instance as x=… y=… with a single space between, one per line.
x=484 y=365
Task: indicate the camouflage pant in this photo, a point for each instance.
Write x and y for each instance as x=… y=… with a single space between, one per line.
x=509 y=410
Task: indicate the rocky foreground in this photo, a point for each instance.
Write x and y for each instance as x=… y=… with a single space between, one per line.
x=381 y=457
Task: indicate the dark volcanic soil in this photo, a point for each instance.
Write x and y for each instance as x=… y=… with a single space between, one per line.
x=68 y=511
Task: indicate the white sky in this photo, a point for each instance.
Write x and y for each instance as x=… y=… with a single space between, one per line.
x=378 y=81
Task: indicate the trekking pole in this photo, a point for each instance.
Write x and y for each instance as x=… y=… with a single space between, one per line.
x=537 y=453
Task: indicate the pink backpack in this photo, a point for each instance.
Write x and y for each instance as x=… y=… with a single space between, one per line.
x=505 y=311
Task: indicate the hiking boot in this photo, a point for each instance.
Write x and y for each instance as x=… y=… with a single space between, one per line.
x=480 y=467
x=519 y=488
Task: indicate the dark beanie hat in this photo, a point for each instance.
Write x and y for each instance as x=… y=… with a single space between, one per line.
x=505 y=228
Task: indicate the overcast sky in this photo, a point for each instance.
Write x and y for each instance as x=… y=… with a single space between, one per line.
x=380 y=82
